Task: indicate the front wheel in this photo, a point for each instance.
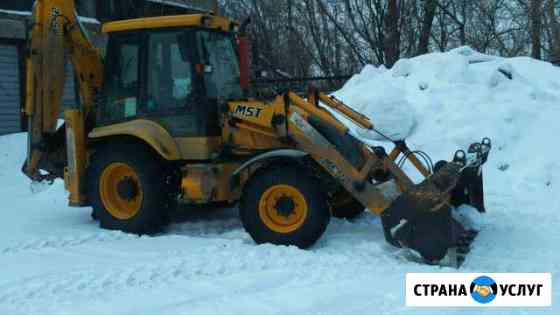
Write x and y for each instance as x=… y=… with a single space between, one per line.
x=284 y=206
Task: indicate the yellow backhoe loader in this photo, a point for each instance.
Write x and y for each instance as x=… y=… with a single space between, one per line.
x=163 y=118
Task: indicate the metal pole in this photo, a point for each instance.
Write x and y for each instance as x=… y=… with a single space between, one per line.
x=216 y=7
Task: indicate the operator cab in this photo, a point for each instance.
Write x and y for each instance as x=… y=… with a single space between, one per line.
x=173 y=70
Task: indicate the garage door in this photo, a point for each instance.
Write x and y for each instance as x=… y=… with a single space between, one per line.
x=10 y=99
x=9 y=90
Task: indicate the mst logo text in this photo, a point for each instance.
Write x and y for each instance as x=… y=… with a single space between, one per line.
x=248 y=111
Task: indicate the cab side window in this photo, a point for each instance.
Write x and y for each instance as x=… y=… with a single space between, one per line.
x=122 y=78
x=169 y=75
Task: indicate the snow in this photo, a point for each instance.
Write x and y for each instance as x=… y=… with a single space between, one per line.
x=55 y=260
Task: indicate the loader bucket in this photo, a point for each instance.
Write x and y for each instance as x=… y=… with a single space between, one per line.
x=421 y=218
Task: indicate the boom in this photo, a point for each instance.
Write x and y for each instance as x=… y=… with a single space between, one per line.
x=56 y=33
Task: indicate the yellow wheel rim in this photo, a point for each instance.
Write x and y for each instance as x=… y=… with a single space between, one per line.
x=121 y=191
x=283 y=208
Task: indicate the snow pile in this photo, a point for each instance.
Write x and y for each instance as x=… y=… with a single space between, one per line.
x=444 y=101
x=371 y=87
x=56 y=261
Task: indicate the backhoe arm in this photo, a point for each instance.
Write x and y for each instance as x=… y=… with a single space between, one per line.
x=56 y=33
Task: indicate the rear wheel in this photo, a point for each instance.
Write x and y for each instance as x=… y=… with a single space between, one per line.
x=128 y=189
x=284 y=206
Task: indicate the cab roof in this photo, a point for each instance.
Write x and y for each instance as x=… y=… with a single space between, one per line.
x=191 y=20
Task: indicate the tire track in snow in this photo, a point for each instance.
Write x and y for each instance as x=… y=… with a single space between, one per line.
x=185 y=229
x=58 y=288
x=218 y=257
x=65 y=242
x=213 y=261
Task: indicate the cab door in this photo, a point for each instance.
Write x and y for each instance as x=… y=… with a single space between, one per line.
x=121 y=97
x=152 y=74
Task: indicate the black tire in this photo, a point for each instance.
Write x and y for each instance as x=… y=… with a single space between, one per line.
x=94 y=215
x=348 y=210
x=315 y=221
x=157 y=201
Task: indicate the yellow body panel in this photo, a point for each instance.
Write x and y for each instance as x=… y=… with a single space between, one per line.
x=202 y=183
x=244 y=137
x=77 y=157
x=171 y=149
x=150 y=132
x=198 y=183
x=191 y=20
x=224 y=191
x=28 y=109
x=199 y=148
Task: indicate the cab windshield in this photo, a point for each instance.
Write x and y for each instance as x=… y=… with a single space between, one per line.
x=221 y=64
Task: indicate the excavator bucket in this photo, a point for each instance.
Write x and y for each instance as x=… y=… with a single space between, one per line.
x=421 y=218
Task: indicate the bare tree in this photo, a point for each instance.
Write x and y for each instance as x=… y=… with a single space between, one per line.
x=392 y=34
x=554 y=31
x=535 y=17
x=332 y=38
x=429 y=13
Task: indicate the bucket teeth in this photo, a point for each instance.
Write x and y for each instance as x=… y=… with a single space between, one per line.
x=463 y=247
